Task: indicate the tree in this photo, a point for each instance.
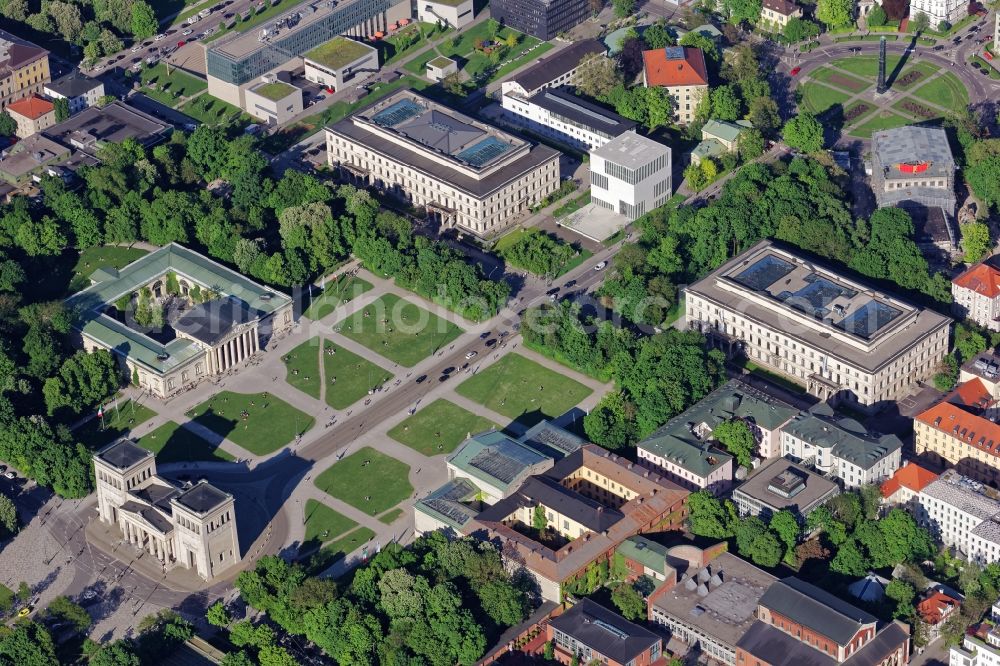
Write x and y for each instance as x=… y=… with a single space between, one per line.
x=798 y=29
x=750 y=144
x=703 y=42
x=8 y=126
x=118 y=653
x=710 y=517
x=539 y=520
x=493 y=28
x=8 y=514
x=27 y=644
x=218 y=616
x=629 y=602
x=834 y=13
x=921 y=22
x=877 y=16
x=763 y=115
x=83 y=380
x=549 y=651
x=740 y=11
x=658 y=36
x=803 y=132
x=623 y=8
x=849 y=561
x=786 y=526
x=738 y=439
x=144 y=24
x=871 y=500
x=976 y=240
x=67 y=611
x=726 y=104
x=982 y=171
x=61 y=105
x=659 y=107
x=503 y=603
x=903 y=593
x=756 y=542
x=67 y=17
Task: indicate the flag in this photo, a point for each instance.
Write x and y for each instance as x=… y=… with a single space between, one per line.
x=100 y=412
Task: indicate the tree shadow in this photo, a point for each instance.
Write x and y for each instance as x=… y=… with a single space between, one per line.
x=833 y=124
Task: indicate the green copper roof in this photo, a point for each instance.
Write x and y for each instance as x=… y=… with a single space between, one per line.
x=647 y=553
x=496 y=459
x=709 y=148
x=846 y=438
x=725 y=130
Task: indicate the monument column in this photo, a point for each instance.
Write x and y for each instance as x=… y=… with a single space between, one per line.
x=881 y=87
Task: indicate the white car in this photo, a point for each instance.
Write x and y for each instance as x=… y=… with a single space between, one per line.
x=601 y=266
x=159 y=37
x=10 y=476
x=471 y=355
x=187 y=32
x=136 y=48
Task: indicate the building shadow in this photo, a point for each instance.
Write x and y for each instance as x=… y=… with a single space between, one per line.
x=903 y=59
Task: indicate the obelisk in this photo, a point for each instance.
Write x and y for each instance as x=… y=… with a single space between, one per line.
x=880 y=87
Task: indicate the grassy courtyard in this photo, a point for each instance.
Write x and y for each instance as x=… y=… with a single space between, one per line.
x=323 y=524
x=399 y=330
x=172 y=443
x=347 y=543
x=302 y=368
x=169 y=87
x=335 y=294
x=269 y=423
x=367 y=480
x=521 y=389
x=212 y=111
x=439 y=428
x=945 y=91
x=104 y=256
x=817 y=98
x=348 y=376
x=116 y=423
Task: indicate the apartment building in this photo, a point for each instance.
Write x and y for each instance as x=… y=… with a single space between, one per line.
x=24 y=68
x=902 y=488
x=976 y=295
x=32 y=114
x=630 y=175
x=950 y=11
x=962 y=430
x=551 y=71
x=799 y=623
x=840 y=447
x=782 y=485
x=685 y=451
x=78 y=90
x=461 y=171
x=718 y=138
x=775 y=14
x=681 y=70
x=592 y=634
x=559 y=114
x=840 y=338
x=913 y=168
x=980 y=644
x=963 y=514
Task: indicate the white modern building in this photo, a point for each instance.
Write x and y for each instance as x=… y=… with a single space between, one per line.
x=840 y=338
x=463 y=172
x=453 y=13
x=336 y=63
x=80 y=91
x=840 y=447
x=981 y=645
x=951 y=11
x=559 y=114
x=962 y=514
x=552 y=71
x=273 y=101
x=630 y=175
x=192 y=526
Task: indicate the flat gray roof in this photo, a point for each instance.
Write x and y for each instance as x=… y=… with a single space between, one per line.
x=113 y=123
x=202 y=497
x=912 y=144
x=562 y=102
x=815 y=491
x=123 y=453
x=631 y=150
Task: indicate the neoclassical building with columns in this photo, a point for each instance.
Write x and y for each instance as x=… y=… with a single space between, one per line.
x=175 y=317
x=192 y=526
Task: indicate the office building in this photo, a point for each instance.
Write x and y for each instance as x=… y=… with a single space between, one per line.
x=799 y=623
x=976 y=295
x=24 y=69
x=775 y=14
x=78 y=90
x=340 y=61
x=593 y=500
x=544 y=19
x=780 y=485
x=681 y=70
x=552 y=71
x=273 y=101
x=840 y=338
x=32 y=115
x=962 y=430
x=440 y=68
x=949 y=11
x=595 y=635
x=912 y=168
x=630 y=175
x=191 y=526
x=708 y=601
x=453 y=13
x=962 y=514
x=685 y=450
x=238 y=59
x=559 y=114
x=461 y=171
x=840 y=447
x=214 y=318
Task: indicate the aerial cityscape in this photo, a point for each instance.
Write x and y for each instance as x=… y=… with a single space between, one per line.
x=525 y=332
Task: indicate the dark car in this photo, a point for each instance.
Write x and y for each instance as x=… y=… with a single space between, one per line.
x=443 y=378
x=552 y=292
x=491 y=342
x=421 y=379
x=484 y=335
x=448 y=370
x=571 y=283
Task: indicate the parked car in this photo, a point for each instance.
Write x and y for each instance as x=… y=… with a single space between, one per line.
x=10 y=476
x=795 y=71
x=471 y=355
x=601 y=266
x=159 y=37
x=187 y=32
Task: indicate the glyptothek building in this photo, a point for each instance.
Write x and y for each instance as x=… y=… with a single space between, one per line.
x=913 y=168
x=840 y=338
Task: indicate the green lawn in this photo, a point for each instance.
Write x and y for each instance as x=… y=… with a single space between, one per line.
x=212 y=111
x=399 y=330
x=348 y=543
x=169 y=87
x=271 y=424
x=302 y=367
x=439 y=428
x=926 y=68
x=865 y=66
x=878 y=122
x=334 y=295
x=172 y=443
x=773 y=377
x=348 y=376
x=389 y=517
x=521 y=389
x=466 y=48
x=374 y=487
x=104 y=256
x=839 y=80
x=6 y=598
x=323 y=523
x=572 y=205
x=817 y=97
x=945 y=91
x=117 y=422
x=430 y=33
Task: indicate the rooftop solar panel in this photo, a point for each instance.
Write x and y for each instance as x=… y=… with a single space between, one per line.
x=397 y=113
x=483 y=152
x=763 y=273
x=867 y=320
x=456 y=512
x=674 y=52
x=497 y=465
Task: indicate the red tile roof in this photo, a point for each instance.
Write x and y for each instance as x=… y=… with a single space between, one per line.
x=936 y=607
x=675 y=66
x=972 y=393
x=911 y=476
x=951 y=417
x=33 y=107
x=981 y=279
